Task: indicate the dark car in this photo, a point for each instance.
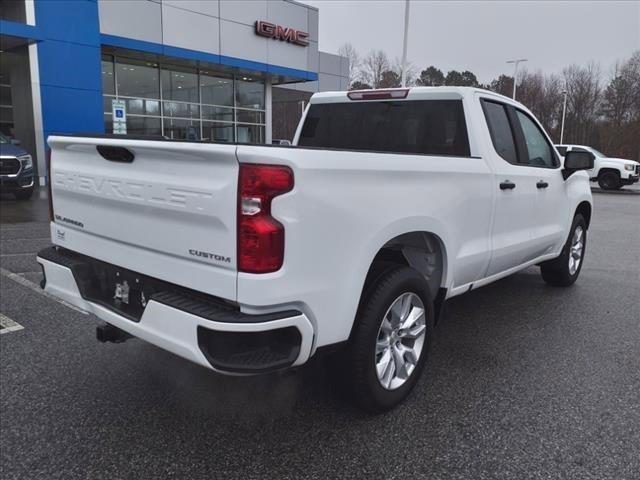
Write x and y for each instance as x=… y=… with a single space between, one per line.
x=16 y=170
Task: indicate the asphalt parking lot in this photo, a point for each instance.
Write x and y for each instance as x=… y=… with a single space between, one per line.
x=524 y=381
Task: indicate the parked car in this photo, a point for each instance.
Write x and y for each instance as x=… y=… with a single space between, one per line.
x=250 y=259
x=16 y=169
x=610 y=173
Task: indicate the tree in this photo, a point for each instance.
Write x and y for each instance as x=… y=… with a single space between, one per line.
x=347 y=50
x=412 y=72
x=469 y=79
x=584 y=94
x=358 y=85
x=373 y=66
x=390 y=79
x=453 y=79
x=458 y=79
x=502 y=85
x=431 y=77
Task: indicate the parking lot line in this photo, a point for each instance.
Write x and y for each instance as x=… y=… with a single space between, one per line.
x=36 y=288
x=7 y=325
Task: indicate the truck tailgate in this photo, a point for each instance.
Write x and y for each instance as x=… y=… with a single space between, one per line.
x=170 y=213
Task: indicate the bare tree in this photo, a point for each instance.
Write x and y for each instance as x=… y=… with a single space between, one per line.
x=347 y=50
x=373 y=66
x=584 y=92
x=412 y=71
x=542 y=94
x=621 y=110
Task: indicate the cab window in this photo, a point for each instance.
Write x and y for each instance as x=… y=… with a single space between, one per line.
x=500 y=130
x=539 y=150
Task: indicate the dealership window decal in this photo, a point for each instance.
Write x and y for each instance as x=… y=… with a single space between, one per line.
x=284 y=34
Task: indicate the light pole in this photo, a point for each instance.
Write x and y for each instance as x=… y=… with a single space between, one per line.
x=515 y=73
x=564 y=112
x=404 y=45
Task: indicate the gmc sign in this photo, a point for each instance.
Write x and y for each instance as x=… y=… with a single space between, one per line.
x=285 y=34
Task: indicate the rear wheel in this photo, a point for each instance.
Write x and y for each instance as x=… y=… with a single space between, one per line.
x=609 y=180
x=391 y=339
x=564 y=270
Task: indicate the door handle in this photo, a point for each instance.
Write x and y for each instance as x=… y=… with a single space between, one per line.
x=542 y=184
x=507 y=185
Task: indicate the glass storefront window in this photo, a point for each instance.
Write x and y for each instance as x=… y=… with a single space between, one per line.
x=108 y=82
x=183 y=110
x=181 y=129
x=216 y=90
x=250 y=93
x=250 y=133
x=249 y=116
x=182 y=86
x=136 y=125
x=222 y=114
x=13 y=10
x=183 y=103
x=217 y=132
x=137 y=79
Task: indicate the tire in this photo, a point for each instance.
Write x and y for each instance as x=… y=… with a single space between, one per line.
x=563 y=271
x=609 y=180
x=373 y=345
x=24 y=194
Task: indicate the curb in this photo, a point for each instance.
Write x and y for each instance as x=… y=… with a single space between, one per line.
x=622 y=191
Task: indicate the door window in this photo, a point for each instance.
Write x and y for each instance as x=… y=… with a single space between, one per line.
x=539 y=150
x=500 y=130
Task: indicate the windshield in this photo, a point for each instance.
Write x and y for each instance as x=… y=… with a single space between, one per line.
x=3 y=139
x=597 y=153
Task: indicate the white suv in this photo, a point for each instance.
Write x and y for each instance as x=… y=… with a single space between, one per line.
x=610 y=173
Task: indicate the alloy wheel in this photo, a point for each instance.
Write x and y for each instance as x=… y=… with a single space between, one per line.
x=576 y=249
x=400 y=340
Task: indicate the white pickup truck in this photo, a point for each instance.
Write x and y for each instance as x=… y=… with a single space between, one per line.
x=610 y=173
x=249 y=259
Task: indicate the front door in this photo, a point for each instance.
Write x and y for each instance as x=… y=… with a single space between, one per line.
x=551 y=209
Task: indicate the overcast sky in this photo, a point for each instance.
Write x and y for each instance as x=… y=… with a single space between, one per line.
x=481 y=35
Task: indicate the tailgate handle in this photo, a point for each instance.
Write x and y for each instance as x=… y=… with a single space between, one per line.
x=115 y=154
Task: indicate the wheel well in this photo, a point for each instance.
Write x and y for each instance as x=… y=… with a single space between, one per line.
x=608 y=170
x=422 y=251
x=585 y=210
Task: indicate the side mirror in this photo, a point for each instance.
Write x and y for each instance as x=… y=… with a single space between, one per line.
x=15 y=141
x=575 y=161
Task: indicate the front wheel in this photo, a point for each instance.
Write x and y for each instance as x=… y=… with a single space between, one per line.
x=391 y=339
x=564 y=270
x=609 y=180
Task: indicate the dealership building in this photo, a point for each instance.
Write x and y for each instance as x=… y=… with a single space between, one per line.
x=210 y=70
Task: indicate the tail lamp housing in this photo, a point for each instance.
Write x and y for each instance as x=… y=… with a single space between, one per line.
x=260 y=236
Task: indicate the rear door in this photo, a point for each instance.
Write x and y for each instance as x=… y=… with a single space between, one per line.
x=168 y=210
x=512 y=241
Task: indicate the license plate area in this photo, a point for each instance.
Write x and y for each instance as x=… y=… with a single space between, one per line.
x=127 y=292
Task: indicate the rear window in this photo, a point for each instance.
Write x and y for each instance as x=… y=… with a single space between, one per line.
x=428 y=127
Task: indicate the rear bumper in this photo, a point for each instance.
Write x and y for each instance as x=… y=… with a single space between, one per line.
x=223 y=339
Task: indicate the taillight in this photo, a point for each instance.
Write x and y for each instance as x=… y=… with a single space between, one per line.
x=260 y=236
x=378 y=94
x=49 y=180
